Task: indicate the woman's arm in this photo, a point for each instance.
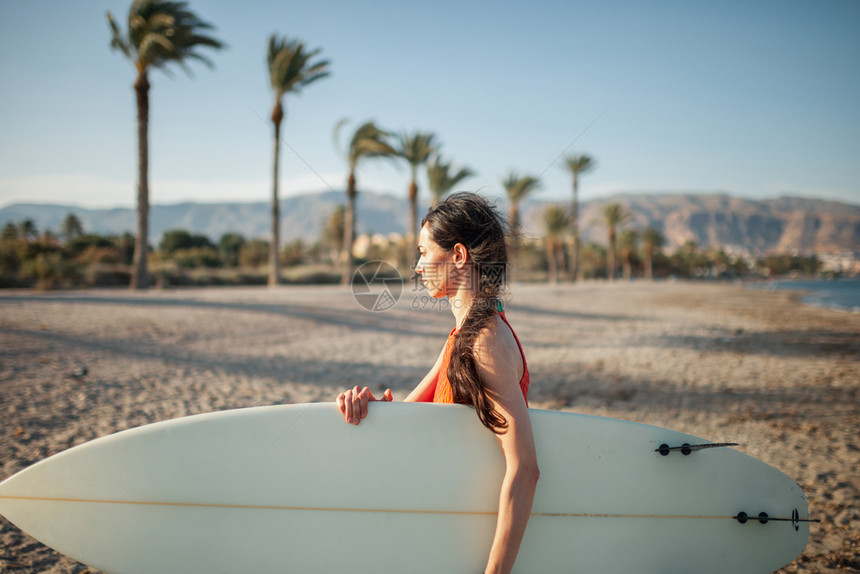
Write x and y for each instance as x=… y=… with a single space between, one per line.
x=499 y=365
x=353 y=402
x=423 y=393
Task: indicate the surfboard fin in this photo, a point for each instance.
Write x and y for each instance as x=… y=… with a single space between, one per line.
x=763 y=518
x=687 y=448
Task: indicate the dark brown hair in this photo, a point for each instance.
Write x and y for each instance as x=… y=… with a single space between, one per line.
x=471 y=220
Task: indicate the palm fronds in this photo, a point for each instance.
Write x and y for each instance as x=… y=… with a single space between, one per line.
x=416 y=148
x=290 y=66
x=441 y=179
x=519 y=187
x=555 y=222
x=577 y=164
x=161 y=33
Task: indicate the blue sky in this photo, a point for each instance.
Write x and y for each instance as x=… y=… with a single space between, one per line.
x=752 y=98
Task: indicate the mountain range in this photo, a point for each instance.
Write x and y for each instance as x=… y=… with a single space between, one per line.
x=786 y=224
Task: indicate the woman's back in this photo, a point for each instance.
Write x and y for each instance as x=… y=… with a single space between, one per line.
x=445 y=394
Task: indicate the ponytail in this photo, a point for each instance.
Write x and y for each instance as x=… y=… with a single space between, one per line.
x=466 y=384
x=470 y=220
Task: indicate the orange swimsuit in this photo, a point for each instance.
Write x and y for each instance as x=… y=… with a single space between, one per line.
x=443 y=392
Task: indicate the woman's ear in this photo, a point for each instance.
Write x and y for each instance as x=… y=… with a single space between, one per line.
x=461 y=256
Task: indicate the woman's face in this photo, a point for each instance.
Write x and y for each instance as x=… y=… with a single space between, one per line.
x=435 y=265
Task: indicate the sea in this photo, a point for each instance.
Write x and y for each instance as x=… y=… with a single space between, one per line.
x=842 y=294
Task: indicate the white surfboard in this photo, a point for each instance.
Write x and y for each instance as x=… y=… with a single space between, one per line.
x=414 y=488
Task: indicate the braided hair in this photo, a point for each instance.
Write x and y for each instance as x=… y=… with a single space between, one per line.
x=470 y=220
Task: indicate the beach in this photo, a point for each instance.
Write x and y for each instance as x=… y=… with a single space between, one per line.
x=719 y=361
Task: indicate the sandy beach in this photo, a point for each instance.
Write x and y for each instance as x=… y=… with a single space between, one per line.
x=718 y=361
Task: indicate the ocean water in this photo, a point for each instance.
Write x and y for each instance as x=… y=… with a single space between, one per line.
x=841 y=294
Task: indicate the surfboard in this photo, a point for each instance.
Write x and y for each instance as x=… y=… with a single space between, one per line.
x=414 y=488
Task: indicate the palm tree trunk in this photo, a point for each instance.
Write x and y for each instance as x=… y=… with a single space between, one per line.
x=139 y=274
x=514 y=221
x=649 y=263
x=274 y=267
x=574 y=223
x=559 y=255
x=348 y=232
x=552 y=261
x=413 y=212
x=610 y=261
x=412 y=240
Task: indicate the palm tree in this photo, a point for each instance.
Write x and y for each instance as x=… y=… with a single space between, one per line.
x=555 y=221
x=518 y=188
x=10 y=232
x=651 y=240
x=576 y=165
x=593 y=259
x=416 y=148
x=48 y=238
x=159 y=33
x=627 y=241
x=368 y=141
x=28 y=230
x=290 y=70
x=440 y=180
x=688 y=259
x=613 y=216
x=332 y=233
x=71 y=228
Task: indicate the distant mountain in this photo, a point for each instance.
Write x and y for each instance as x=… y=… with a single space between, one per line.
x=301 y=216
x=788 y=224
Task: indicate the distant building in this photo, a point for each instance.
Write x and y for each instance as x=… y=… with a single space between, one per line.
x=843 y=262
x=366 y=242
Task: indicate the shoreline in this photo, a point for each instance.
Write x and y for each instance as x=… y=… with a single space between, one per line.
x=719 y=361
x=819 y=292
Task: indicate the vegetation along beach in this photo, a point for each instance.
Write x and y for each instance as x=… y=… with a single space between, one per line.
x=719 y=361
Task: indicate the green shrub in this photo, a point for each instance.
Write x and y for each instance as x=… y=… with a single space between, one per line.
x=228 y=248
x=254 y=253
x=194 y=257
x=10 y=258
x=106 y=275
x=50 y=270
x=179 y=239
x=93 y=254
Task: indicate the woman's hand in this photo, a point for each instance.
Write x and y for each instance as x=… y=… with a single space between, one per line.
x=353 y=403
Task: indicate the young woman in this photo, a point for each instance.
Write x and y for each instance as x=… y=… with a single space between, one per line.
x=463 y=258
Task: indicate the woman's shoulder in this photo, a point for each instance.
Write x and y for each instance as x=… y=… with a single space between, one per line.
x=495 y=339
x=498 y=359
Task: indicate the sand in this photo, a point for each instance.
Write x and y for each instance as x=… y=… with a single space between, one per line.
x=718 y=361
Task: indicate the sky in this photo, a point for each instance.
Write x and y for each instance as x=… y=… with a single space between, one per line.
x=752 y=98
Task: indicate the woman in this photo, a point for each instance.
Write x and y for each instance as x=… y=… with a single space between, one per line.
x=463 y=257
